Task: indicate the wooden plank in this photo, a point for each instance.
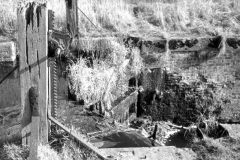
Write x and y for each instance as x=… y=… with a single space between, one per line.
x=89 y=146
x=24 y=75
x=33 y=97
x=72 y=16
x=43 y=83
x=33 y=44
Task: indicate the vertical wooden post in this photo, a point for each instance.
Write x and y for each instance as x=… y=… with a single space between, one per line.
x=33 y=49
x=72 y=16
x=34 y=100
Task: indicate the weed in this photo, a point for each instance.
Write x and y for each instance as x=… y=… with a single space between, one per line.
x=142 y=18
x=217 y=149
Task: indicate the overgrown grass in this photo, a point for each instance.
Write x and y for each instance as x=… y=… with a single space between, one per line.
x=11 y=149
x=104 y=80
x=8 y=13
x=158 y=18
x=201 y=17
x=217 y=149
x=70 y=151
x=90 y=79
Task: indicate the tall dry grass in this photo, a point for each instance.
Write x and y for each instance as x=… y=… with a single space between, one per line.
x=8 y=13
x=70 y=151
x=105 y=79
x=156 y=17
x=217 y=149
x=101 y=80
x=142 y=17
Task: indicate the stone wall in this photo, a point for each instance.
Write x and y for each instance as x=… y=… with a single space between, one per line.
x=10 y=110
x=216 y=59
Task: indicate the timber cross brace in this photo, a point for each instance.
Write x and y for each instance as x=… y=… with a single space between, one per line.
x=36 y=35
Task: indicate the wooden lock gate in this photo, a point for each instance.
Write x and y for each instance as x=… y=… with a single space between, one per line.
x=35 y=31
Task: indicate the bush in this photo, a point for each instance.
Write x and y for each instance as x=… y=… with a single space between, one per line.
x=104 y=80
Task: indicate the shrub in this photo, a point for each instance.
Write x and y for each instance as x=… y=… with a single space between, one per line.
x=105 y=80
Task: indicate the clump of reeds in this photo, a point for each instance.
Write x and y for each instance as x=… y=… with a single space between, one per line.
x=106 y=79
x=97 y=80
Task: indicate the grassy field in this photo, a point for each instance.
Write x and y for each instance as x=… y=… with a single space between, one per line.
x=161 y=18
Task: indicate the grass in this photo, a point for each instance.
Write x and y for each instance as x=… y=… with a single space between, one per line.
x=217 y=149
x=8 y=13
x=105 y=79
x=101 y=80
x=149 y=17
x=11 y=149
x=144 y=18
x=70 y=151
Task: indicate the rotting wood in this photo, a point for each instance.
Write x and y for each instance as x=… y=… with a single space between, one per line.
x=33 y=44
x=24 y=75
x=72 y=17
x=95 y=150
x=33 y=97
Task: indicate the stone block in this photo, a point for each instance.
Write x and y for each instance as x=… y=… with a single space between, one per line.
x=233 y=43
x=233 y=129
x=194 y=44
x=154 y=45
x=7 y=52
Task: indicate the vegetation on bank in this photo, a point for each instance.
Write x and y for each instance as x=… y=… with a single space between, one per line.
x=217 y=149
x=104 y=80
x=145 y=18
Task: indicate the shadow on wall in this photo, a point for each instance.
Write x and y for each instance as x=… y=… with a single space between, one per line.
x=10 y=88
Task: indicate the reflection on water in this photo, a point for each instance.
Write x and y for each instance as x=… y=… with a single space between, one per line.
x=125 y=140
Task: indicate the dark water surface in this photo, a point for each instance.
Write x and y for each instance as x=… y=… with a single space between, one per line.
x=125 y=140
x=177 y=140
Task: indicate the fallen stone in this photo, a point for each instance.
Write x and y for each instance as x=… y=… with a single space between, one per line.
x=7 y=52
x=169 y=153
x=233 y=129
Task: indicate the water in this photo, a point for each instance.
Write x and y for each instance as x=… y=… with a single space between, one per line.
x=125 y=140
x=177 y=140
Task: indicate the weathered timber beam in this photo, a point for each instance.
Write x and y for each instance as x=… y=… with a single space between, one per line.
x=33 y=49
x=34 y=100
x=72 y=16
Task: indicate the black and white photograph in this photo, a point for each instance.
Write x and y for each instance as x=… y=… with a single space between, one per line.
x=119 y=79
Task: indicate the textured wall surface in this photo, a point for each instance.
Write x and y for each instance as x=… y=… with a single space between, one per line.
x=212 y=58
x=10 y=110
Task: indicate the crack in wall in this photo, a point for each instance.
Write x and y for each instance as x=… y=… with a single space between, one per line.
x=38 y=65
